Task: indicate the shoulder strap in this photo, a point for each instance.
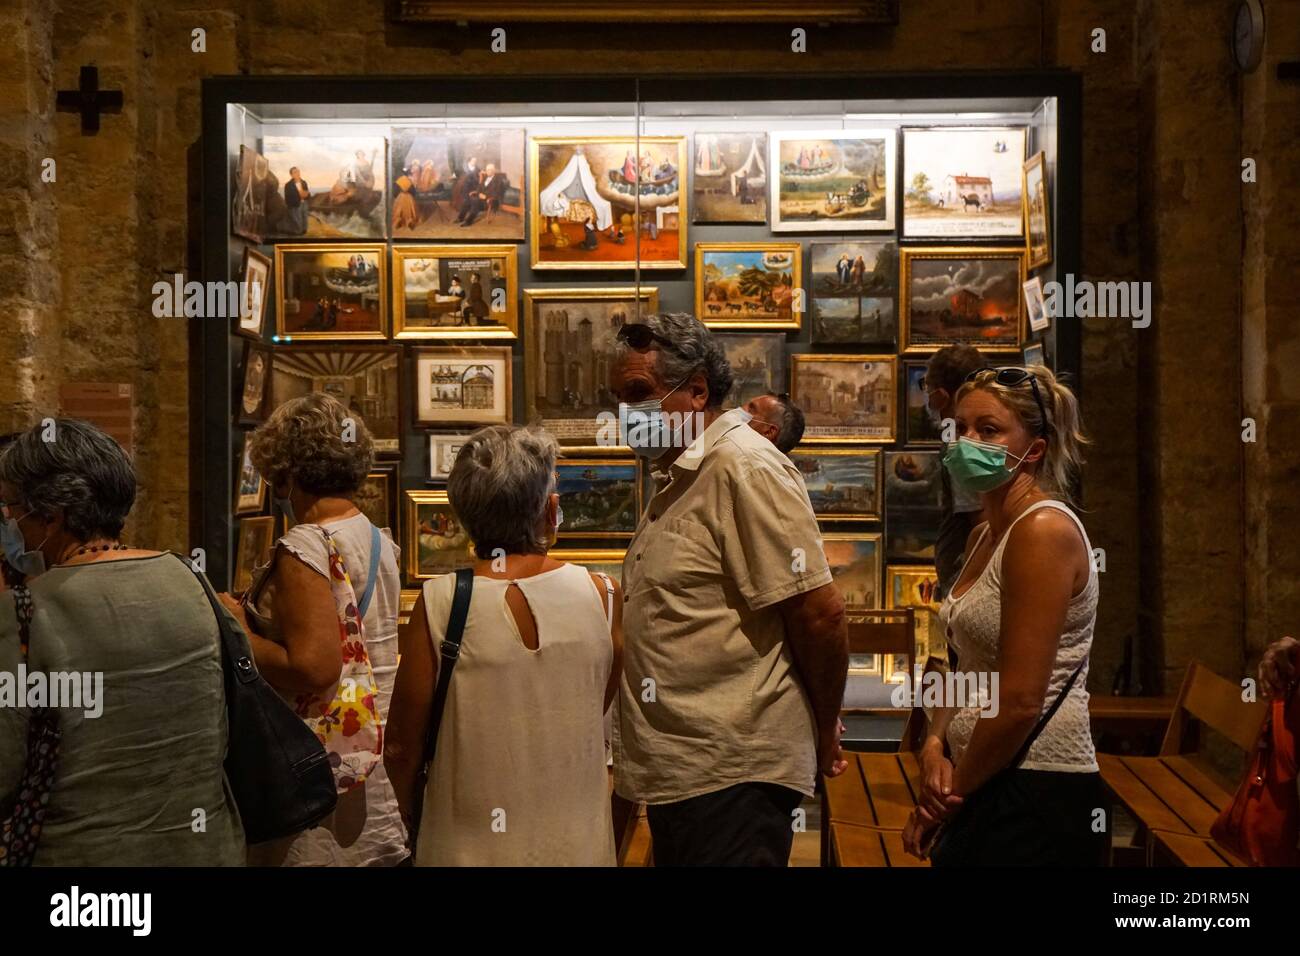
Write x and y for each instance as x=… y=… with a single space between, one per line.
x=234 y=646
x=450 y=653
x=609 y=597
x=1043 y=721
x=374 y=569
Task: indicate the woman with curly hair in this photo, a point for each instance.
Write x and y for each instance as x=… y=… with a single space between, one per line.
x=315 y=453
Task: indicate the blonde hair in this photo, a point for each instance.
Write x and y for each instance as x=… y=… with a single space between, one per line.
x=316 y=440
x=1063 y=430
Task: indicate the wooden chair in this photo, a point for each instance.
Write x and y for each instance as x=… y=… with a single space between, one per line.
x=1178 y=792
x=873 y=631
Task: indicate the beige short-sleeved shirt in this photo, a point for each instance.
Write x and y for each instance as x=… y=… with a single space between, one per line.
x=713 y=555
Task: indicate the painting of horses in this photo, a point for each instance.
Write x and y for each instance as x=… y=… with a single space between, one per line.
x=457 y=183
x=748 y=284
x=963 y=182
x=833 y=180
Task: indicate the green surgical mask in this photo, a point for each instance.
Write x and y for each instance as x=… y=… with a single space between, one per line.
x=977 y=466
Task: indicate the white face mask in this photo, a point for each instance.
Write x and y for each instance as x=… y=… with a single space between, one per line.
x=27 y=563
x=642 y=426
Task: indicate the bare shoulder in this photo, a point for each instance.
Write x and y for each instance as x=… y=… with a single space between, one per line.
x=1048 y=530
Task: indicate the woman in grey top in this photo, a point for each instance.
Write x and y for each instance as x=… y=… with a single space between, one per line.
x=138 y=781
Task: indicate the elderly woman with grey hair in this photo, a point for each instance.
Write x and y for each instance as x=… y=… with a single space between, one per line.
x=129 y=640
x=315 y=453
x=520 y=775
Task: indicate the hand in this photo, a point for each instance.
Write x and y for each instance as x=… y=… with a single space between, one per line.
x=918 y=834
x=1277 y=669
x=233 y=605
x=936 y=798
x=830 y=756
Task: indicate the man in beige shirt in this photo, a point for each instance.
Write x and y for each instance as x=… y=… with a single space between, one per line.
x=735 y=645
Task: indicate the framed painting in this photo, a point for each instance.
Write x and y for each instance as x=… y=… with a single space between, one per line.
x=757 y=364
x=455 y=292
x=255 y=293
x=433 y=541
x=606 y=560
x=366 y=378
x=961 y=296
x=337 y=292
x=1034 y=354
x=918 y=427
x=596 y=202
x=1035 y=307
x=749 y=284
x=1038 y=236
x=255 y=189
x=914 y=586
x=843 y=483
x=256 y=374
x=569 y=344
x=333 y=186
x=463 y=385
x=850 y=399
x=963 y=182
x=855 y=562
x=253 y=549
x=913 y=489
x=250 y=488
x=458 y=183
x=854 y=286
x=377 y=497
x=835 y=180
x=730 y=182
x=443 y=450
x=600 y=497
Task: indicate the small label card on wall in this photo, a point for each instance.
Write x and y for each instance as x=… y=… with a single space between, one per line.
x=106 y=405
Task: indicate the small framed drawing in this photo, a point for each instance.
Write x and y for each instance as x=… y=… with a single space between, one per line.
x=455 y=292
x=1035 y=307
x=749 y=284
x=835 y=180
x=849 y=399
x=433 y=540
x=250 y=489
x=443 y=450
x=914 y=586
x=377 y=497
x=961 y=296
x=255 y=391
x=913 y=491
x=1038 y=236
x=1033 y=354
x=854 y=560
x=843 y=483
x=467 y=385
x=918 y=427
x=963 y=182
x=256 y=535
x=607 y=560
x=600 y=497
x=337 y=292
x=254 y=294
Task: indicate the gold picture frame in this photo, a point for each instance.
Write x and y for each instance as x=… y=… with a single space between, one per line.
x=557 y=220
x=822 y=402
x=855 y=599
x=256 y=539
x=247 y=500
x=789 y=303
x=908 y=256
x=1040 y=254
x=404 y=326
x=926 y=621
x=569 y=530
x=609 y=560
x=459 y=555
x=436 y=390
x=289 y=322
x=873 y=510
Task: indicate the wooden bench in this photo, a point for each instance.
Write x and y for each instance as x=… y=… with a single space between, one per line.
x=853 y=845
x=1182 y=849
x=876 y=792
x=1176 y=796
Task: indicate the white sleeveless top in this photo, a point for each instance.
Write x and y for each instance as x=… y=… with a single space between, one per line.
x=973 y=625
x=519 y=777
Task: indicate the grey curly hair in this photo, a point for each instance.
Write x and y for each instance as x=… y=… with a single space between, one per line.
x=499 y=486
x=694 y=347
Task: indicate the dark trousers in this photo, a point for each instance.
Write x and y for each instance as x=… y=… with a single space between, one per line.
x=749 y=824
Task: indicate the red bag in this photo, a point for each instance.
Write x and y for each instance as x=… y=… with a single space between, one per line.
x=1262 y=824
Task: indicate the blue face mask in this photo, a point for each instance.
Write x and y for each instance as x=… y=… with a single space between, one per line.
x=27 y=563
x=977 y=466
x=642 y=426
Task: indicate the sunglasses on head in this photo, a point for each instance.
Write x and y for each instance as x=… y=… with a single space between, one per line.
x=642 y=337
x=1012 y=376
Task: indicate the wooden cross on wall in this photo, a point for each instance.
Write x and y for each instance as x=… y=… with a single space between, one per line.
x=89 y=100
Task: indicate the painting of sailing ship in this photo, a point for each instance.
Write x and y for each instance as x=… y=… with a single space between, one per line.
x=730 y=183
x=843 y=484
x=962 y=296
x=457 y=183
x=599 y=201
x=963 y=183
x=833 y=180
x=601 y=498
x=853 y=290
x=749 y=284
x=333 y=186
x=331 y=291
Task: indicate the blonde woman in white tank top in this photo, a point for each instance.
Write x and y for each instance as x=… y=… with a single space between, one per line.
x=520 y=776
x=1023 y=608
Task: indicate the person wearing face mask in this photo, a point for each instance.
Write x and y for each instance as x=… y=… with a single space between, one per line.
x=315 y=453
x=1022 y=784
x=736 y=651
x=777 y=418
x=519 y=774
x=141 y=740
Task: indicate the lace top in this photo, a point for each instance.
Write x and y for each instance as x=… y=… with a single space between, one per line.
x=973 y=625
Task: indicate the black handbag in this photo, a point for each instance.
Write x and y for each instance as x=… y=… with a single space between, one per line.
x=449 y=652
x=278 y=770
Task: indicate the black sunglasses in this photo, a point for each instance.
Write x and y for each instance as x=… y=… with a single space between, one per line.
x=1012 y=376
x=641 y=336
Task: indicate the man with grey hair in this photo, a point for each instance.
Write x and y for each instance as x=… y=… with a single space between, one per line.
x=777 y=418
x=735 y=645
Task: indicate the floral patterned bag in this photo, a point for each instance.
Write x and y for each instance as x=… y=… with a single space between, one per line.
x=347 y=720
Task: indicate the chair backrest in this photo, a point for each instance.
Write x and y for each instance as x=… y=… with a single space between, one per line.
x=873 y=631
x=1216 y=702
